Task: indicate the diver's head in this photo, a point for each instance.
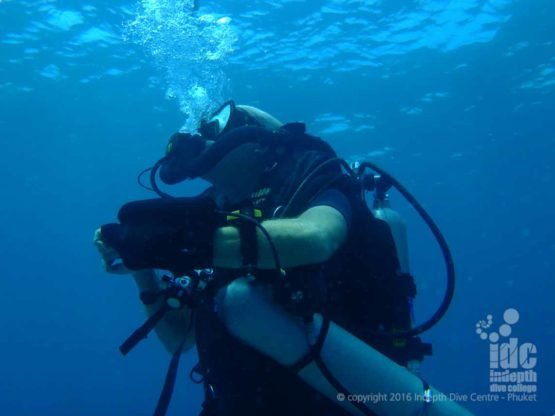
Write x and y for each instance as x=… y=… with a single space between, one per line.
x=228 y=151
x=239 y=172
x=230 y=116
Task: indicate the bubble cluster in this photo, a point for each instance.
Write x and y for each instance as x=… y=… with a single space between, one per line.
x=191 y=50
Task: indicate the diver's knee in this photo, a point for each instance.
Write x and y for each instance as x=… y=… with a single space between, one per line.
x=248 y=312
x=237 y=305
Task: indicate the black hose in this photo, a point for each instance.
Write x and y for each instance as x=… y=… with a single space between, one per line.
x=311 y=175
x=450 y=290
x=277 y=263
x=328 y=375
x=140 y=179
x=153 y=184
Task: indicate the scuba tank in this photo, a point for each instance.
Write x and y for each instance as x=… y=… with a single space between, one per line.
x=382 y=210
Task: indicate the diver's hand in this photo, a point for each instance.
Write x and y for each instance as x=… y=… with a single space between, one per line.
x=110 y=257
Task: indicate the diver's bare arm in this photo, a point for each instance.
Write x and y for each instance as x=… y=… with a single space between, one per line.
x=173 y=326
x=311 y=238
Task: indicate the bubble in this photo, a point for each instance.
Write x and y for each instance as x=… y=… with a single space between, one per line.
x=206 y=18
x=494 y=337
x=478 y=325
x=199 y=92
x=223 y=20
x=484 y=336
x=479 y=331
x=191 y=51
x=505 y=330
x=489 y=317
x=511 y=316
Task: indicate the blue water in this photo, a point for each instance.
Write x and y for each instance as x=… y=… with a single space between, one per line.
x=456 y=98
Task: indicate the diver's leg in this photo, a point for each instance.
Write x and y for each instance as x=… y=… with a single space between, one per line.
x=248 y=313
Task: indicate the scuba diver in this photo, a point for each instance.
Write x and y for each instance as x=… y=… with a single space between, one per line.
x=295 y=293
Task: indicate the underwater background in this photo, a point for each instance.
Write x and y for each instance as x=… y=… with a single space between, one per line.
x=455 y=98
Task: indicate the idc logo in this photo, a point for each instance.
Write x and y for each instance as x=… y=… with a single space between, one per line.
x=511 y=361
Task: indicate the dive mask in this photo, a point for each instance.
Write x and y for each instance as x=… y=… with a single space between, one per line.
x=228 y=117
x=190 y=155
x=210 y=129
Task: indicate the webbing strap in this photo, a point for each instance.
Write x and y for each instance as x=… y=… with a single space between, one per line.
x=247 y=232
x=169 y=382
